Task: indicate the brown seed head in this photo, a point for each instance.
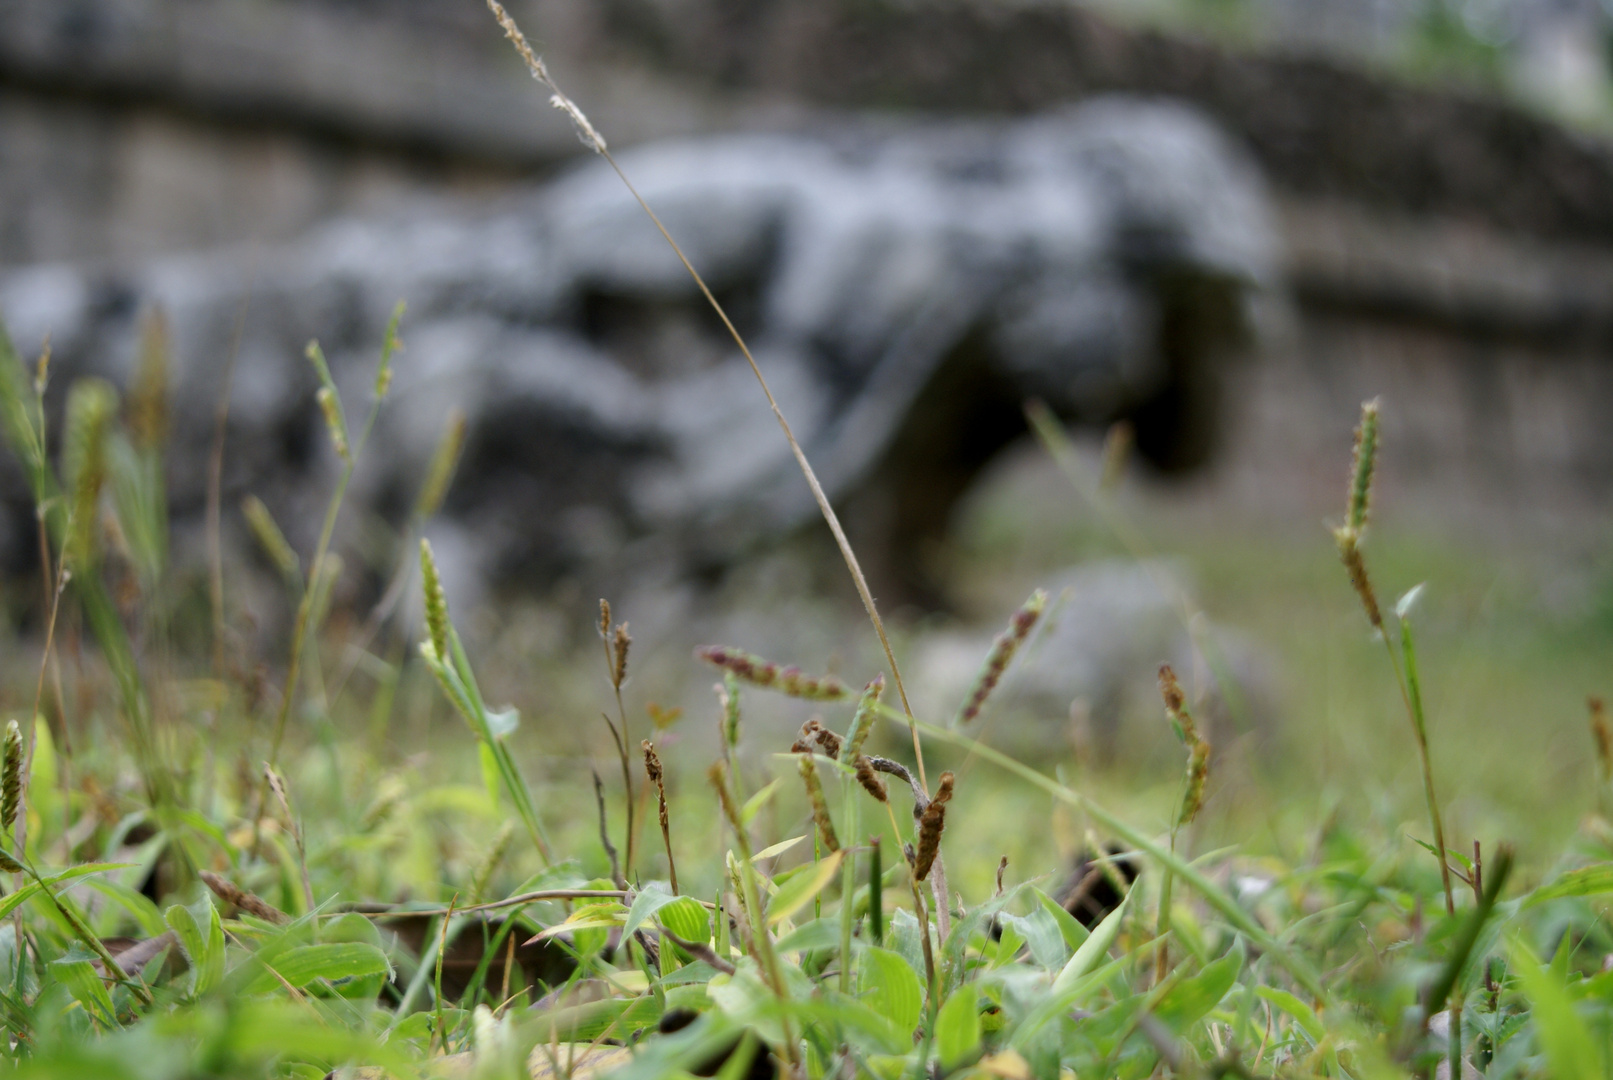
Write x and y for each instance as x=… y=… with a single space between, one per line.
x=820 y=806
x=1349 y=541
x=1002 y=652
x=869 y=779
x=619 y=646
x=604 y=618
x=931 y=824
x=764 y=673
x=1198 y=771
x=1603 y=734
x=1176 y=706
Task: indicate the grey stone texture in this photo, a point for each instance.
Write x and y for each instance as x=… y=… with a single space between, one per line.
x=904 y=291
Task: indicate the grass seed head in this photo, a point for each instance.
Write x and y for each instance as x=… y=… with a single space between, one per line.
x=862 y=721
x=619 y=646
x=1198 y=771
x=11 y=777
x=869 y=779
x=489 y=865
x=389 y=344
x=1349 y=541
x=91 y=405
x=331 y=411
x=657 y=775
x=820 y=806
x=814 y=736
x=436 y=603
x=1176 y=706
x=148 y=389
x=1366 y=450
x=1002 y=653
x=931 y=824
x=270 y=538
x=1603 y=734
x=790 y=681
x=444 y=460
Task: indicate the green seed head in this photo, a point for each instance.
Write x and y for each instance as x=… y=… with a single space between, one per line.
x=436 y=602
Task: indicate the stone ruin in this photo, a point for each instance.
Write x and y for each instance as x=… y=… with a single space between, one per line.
x=904 y=289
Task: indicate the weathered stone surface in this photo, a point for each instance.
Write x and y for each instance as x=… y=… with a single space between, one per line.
x=903 y=292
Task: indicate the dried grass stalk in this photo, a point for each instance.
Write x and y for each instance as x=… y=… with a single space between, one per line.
x=239 y=898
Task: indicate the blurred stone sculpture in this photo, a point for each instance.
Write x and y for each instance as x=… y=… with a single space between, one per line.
x=903 y=290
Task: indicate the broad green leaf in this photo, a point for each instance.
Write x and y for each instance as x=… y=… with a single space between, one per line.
x=1074 y=933
x=1008 y=944
x=817 y=934
x=1093 y=949
x=650 y=900
x=863 y=1026
x=891 y=988
x=1570 y=1049
x=686 y=917
x=304 y=964
x=1191 y=999
x=1586 y=881
x=201 y=939
x=1301 y=1012
x=137 y=904
x=799 y=890
x=1042 y=933
x=78 y=975
x=957 y=1026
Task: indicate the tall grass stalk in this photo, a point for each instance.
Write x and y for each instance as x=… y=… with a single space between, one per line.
x=1404 y=665
x=592 y=139
x=349 y=452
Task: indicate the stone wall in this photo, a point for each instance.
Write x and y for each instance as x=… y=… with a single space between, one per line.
x=1451 y=252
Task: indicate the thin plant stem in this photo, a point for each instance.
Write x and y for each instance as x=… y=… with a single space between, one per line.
x=822 y=499
x=1411 y=691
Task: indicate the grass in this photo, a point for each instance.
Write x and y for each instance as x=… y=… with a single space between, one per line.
x=214 y=877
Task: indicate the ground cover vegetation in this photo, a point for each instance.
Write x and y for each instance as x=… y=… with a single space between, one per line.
x=211 y=876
